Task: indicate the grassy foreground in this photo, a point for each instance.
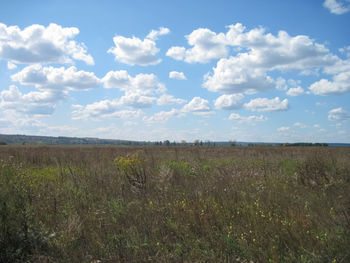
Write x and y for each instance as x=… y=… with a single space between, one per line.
x=173 y=204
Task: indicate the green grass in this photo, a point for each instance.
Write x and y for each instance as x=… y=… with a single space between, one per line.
x=185 y=204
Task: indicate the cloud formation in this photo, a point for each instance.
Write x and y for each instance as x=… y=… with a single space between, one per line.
x=32 y=103
x=229 y=102
x=295 y=91
x=283 y=128
x=40 y=44
x=247 y=71
x=177 y=75
x=142 y=84
x=104 y=109
x=134 y=51
x=264 y=104
x=166 y=99
x=338 y=114
x=249 y=119
x=163 y=116
x=206 y=45
x=197 y=105
x=337 y=7
x=50 y=78
x=339 y=85
x=52 y=84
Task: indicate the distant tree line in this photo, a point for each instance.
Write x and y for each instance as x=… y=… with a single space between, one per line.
x=304 y=144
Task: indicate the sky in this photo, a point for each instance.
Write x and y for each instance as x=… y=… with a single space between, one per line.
x=224 y=70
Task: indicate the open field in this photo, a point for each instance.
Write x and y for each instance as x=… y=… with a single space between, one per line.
x=174 y=204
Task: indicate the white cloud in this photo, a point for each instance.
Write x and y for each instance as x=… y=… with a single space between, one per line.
x=177 y=75
x=338 y=114
x=154 y=34
x=166 y=99
x=281 y=84
x=197 y=105
x=50 y=78
x=32 y=103
x=229 y=102
x=53 y=85
x=300 y=125
x=136 y=101
x=337 y=7
x=339 y=85
x=264 y=104
x=283 y=128
x=207 y=45
x=134 y=51
x=163 y=116
x=264 y=50
x=249 y=119
x=233 y=76
x=11 y=65
x=39 y=44
x=142 y=84
x=295 y=91
x=261 y=53
x=104 y=109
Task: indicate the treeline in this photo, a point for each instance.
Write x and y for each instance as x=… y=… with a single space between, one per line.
x=48 y=140
x=304 y=144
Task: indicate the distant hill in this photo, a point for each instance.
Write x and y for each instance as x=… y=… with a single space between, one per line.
x=49 y=140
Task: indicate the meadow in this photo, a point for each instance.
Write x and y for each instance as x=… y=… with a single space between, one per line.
x=174 y=204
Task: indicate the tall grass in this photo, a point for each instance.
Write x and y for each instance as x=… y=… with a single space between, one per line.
x=183 y=204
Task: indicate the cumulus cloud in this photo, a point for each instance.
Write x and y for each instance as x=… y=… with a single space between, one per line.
x=140 y=91
x=177 y=75
x=143 y=84
x=300 y=125
x=337 y=7
x=32 y=103
x=104 y=109
x=260 y=53
x=249 y=119
x=295 y=91
x=50 y=78
x=229 y=102
x=136 y=101
x=264 y=50
x=154 y=34
x=283 y=128
x=339 y=85
x=197 y=105
x=338 y=114
x=53 y=85
x=134 y=51
x=40 y=44
x=233 y=76
x=163 y=116
x=206 y=45
x=264 y=104
x=166 y=99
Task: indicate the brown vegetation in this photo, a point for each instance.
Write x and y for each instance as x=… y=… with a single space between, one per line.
x=174 y=204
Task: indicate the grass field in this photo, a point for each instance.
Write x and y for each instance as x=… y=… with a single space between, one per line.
x=174 y=204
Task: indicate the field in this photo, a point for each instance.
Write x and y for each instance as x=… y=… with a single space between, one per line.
x=174 y=204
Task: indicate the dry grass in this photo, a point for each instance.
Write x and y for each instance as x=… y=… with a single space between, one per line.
x=174 y=204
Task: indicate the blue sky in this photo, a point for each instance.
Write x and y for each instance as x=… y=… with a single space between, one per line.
x=244 y=70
